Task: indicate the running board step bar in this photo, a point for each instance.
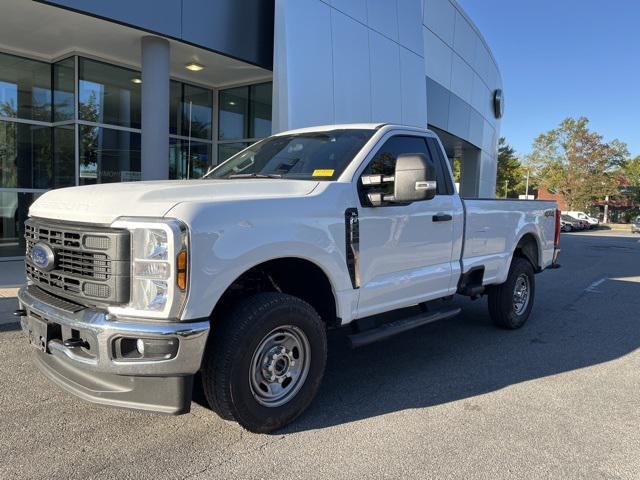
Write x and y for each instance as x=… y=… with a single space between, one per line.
x=390 y=329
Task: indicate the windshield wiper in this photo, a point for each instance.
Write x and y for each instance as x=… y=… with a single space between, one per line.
x=255 y=175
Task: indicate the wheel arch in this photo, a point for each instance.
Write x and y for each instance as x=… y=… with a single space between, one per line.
x=528 y=247
x=297 y=276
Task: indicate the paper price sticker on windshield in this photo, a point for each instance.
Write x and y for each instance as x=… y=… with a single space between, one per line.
x=323 y=172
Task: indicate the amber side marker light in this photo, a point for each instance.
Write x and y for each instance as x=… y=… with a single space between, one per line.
x=181 y=277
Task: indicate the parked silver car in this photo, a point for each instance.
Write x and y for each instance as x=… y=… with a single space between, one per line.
x=635 y=225
x=572 y=223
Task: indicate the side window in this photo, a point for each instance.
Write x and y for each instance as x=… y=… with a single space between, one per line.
x=445 y=187
x=384 y=162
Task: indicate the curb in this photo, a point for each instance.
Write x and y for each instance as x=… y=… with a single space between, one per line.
x=617 y=226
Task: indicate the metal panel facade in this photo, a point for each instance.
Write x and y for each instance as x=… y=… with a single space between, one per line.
x=242 y=29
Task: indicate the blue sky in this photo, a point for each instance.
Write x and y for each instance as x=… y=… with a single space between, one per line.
x=561 y=58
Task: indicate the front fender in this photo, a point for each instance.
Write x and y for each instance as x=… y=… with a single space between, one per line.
x=225 y=243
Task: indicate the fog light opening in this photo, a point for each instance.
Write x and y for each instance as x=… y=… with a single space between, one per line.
x=127 y=348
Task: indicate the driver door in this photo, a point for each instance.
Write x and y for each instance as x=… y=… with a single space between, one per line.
x=405 y=249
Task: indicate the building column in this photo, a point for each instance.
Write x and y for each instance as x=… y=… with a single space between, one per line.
x=155 y=108
x=470 y=173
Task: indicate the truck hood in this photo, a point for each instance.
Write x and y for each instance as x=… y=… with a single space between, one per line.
x=102 y=204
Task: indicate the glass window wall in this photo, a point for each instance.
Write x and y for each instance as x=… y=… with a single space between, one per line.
x=108 y=94
x=108 y=155
x=260 y=110
x=245 y=112
x=25 y=144
x=244 y=117
x=190 y=127
x=191 y=111
x=25 y=88
x=45 y=143
x=234 y=113
x=197 y=112
x=64 y=90
x=184 y=156
x=64 y=156
x=13 y=211
x=25 y=155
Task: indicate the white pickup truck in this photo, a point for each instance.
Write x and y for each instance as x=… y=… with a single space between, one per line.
x=133 y=288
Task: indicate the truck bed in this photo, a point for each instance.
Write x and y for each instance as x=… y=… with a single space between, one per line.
x=494 y=226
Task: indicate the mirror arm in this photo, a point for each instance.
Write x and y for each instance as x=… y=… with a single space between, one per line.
x=375 y=199
x=379 y=199
x=374 y=180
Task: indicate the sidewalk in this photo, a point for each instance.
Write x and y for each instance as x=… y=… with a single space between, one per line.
x=617 y=226
x=11 y=278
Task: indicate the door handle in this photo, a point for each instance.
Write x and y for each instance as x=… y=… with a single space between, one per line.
x=442 y=217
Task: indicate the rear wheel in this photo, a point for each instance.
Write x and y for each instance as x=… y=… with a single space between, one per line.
x=265 y=363
x=510 y=303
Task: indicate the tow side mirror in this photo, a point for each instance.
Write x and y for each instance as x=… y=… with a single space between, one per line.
x=414 y=179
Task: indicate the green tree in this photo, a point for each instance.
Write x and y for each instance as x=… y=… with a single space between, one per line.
x=631 y=172
x=89 y=110
x=456 y=169
x=8 y=148
x=577 y=163
x=511 y=173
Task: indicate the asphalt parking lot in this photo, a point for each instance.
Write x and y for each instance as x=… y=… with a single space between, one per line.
x=457 y=399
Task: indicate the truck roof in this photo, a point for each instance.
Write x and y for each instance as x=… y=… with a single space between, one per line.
x=344 y=126
x=348 y=126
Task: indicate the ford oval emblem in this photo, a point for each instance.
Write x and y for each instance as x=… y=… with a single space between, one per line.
x=498 y=103
x=42 y=256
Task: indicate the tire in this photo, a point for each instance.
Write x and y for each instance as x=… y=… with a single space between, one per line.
x=266 y=334
x=504 y=310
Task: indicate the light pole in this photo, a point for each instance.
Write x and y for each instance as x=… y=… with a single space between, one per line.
x=526 y=192
x=506 y=186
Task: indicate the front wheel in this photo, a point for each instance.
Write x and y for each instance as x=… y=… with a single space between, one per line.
x=265 y=363
x=510 y=303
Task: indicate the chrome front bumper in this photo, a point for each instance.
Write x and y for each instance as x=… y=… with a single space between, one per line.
x=95 y=372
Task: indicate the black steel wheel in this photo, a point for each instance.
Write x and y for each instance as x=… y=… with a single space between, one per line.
x=265 y=361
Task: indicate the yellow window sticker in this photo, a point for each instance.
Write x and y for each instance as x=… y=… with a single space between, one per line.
x=323 y=172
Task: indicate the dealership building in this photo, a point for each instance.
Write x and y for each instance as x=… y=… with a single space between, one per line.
x=95 y=91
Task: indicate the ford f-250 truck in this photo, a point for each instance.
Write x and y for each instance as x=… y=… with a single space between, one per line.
x=133 y=288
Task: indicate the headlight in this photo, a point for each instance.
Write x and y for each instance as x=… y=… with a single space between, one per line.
x=159 y=260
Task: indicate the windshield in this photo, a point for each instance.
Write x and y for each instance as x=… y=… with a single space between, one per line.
x=312 y=155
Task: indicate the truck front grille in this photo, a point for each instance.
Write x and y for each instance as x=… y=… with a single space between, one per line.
x=53 y=280
x=91 y=263
x=85 y=264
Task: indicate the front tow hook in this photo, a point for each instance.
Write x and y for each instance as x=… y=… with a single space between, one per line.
x=75 y=342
